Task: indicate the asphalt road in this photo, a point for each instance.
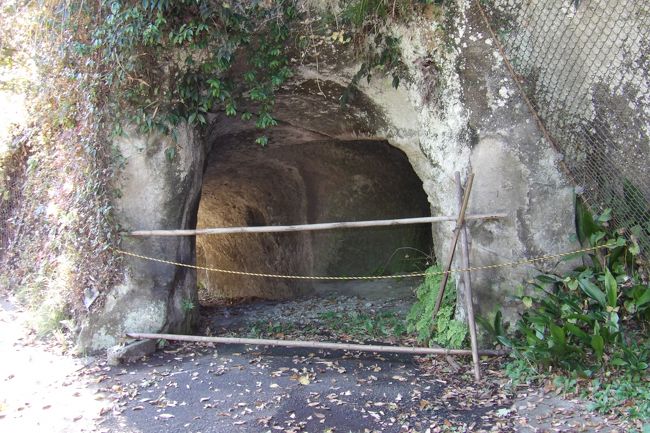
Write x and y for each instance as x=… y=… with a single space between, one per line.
x=187 y=388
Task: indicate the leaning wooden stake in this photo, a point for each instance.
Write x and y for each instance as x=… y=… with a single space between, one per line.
x=312 y=344
x=459 y=222
x=467 y=283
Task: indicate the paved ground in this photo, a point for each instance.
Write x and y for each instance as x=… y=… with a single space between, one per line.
x=202 y=389
x=42 y=390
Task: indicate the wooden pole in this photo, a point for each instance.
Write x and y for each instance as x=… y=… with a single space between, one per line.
x=308 y=227
x=313 y=344
x=454 y=241
x=467 y=284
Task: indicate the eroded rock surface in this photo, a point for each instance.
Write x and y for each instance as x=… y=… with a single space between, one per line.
x=154 y=194
x=459 y=112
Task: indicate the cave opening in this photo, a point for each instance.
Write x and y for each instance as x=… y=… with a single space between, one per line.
x=304 y=182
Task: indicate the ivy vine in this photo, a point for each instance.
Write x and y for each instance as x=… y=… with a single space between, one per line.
x=165 y=61
x=162 y=62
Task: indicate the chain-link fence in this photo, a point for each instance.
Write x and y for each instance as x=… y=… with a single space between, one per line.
x=584 y=68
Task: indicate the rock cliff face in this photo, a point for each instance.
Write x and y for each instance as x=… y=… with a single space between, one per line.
x=158 y=194
x=459 y=112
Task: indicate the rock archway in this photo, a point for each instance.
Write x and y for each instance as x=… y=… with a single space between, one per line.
x=460 y=111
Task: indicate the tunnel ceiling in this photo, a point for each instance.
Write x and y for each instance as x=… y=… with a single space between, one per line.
x=305 y=177
x=308 y=110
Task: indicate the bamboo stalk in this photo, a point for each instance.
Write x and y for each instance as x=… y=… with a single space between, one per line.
x=313 y=344
x=454 y=242
x=467 y=284
x=308 y=227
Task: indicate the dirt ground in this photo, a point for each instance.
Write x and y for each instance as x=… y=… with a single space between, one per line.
x=41 y=389
x=207 y=388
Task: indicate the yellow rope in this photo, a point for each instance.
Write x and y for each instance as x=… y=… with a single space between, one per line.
x=383 y=277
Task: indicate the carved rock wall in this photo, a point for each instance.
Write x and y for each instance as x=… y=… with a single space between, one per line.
x=459 y=112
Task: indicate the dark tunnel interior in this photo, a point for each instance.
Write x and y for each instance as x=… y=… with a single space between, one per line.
x=314 y=181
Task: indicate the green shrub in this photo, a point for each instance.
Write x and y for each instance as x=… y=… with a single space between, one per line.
x=443 y=329
x=591 y=317
x=364 y=326
x=588 y=329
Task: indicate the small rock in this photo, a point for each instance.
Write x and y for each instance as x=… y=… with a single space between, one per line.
x=117 y=355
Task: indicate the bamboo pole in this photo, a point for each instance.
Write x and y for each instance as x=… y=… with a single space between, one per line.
x=308 y=227
x=459 y=223
x=467 y=284
x=313 y=344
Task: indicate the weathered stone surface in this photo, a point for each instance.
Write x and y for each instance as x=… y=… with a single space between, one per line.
x=130 y=352
x=474 y=120
x=517 y=171
x=155 y=193
x=460 y=112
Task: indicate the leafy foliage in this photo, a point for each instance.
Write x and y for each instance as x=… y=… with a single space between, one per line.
x=166 y=62
x=347 y=325
x=162 y=62
x=188 y=305
x=59 y=212
x=363 y=326
x=443 y=329
x=590 y=324
x=379 y=48
x=627 y=391
x=577 y=321
x=630 y=211
x=382 y=54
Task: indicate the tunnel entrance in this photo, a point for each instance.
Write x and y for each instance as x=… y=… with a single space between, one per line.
x=303 y=183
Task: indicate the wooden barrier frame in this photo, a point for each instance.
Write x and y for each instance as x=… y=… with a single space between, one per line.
x=460 y=232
